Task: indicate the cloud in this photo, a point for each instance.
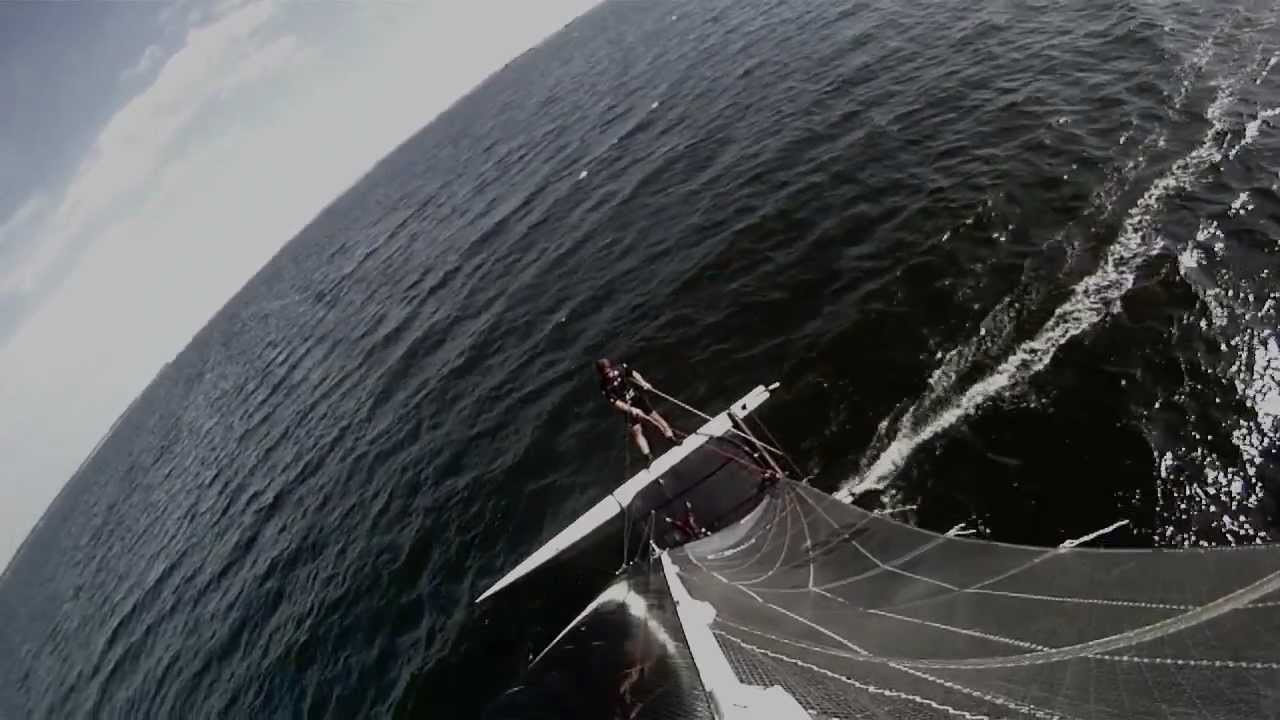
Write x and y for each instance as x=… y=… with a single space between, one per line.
x=21 y=219
x=280 y=54
x=149 y=58
x=244 y=135
x=16 y=247
x=132 y=146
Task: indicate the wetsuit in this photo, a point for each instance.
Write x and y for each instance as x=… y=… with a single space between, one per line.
x=617 y=385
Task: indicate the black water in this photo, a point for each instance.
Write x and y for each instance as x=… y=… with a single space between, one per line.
x=989 y=250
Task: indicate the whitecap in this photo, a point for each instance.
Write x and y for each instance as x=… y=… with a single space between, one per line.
x=1270 y=64
x=1241 y=204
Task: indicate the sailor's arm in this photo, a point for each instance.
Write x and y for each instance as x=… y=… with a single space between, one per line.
x=627 y=408
x=639 y=379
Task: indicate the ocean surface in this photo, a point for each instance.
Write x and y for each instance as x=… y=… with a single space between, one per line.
x=1015 y=264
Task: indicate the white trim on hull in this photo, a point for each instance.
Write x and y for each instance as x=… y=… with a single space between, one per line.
x=612 y=505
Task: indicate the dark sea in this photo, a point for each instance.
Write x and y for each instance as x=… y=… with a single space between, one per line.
x=1014 y=264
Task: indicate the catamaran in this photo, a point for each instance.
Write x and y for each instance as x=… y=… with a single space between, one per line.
x=740 y=591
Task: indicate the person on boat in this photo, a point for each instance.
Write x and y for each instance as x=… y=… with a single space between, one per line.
x=624 y=389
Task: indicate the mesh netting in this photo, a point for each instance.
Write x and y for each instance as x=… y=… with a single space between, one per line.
x=860 y=616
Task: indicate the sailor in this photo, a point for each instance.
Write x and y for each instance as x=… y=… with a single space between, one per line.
x=624 y=388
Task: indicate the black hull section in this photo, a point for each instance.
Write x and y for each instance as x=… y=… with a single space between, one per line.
x=626 y=658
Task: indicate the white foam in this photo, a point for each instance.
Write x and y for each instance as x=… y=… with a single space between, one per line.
x=1091 y=300
x=1253 y=129
x=1189 y=259
x=1270 y=64
x=1265 y=388
x=1255 y=372
x=1189 y=71
x=1187 y=74
x=582 y=174
x=1241 y=204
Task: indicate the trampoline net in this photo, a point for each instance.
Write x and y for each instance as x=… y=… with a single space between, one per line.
x=857 y=615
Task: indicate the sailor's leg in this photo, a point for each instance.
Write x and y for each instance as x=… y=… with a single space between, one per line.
x=637 y=433
x=662 y=425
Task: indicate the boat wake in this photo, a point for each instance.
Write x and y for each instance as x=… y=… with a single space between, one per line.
x=1090 y=301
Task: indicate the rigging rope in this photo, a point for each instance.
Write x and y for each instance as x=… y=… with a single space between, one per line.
x=711 y=446
x=649 y=534
x=800 y=476
x=1093 y=535
x=705 y=416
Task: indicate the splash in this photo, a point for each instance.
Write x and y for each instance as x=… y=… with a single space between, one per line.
x=1241 y=321
x=1241 y=205
x=1253 y=129
x=1190 y=70
x=1270 y=64
x=1091 y=300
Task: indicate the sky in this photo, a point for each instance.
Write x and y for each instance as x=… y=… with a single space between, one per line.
x=157 y=154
